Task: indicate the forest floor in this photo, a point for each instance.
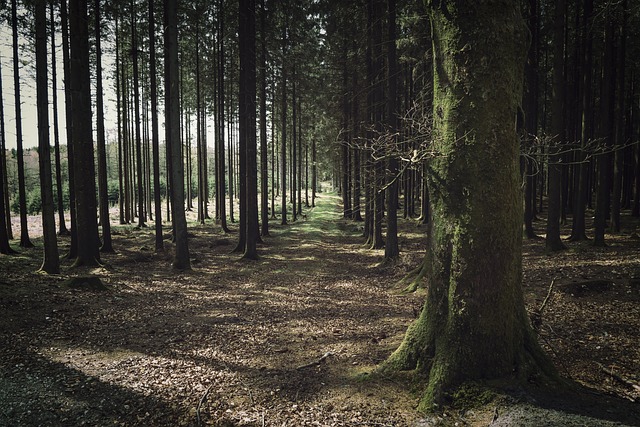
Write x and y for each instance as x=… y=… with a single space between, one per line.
x=288 y=340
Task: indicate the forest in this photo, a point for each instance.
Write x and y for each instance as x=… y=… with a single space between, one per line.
x=319 y=213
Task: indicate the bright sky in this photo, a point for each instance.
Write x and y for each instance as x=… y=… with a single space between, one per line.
x=28 y=92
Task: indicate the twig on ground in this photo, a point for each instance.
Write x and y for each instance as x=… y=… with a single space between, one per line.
x=201 y=402
x=546 y=299
x=316 y=362
x=536 y=316
x=619 y=377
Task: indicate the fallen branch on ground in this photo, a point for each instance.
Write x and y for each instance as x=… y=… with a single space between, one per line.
x=201 y=402
x=315 y=362
x=536 y=317
x=619 y=378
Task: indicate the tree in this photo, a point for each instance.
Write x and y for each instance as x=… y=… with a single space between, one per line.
x=86 y=224
x=553 y=241
x=474 y=325
x=69 y=113
x=391 y=249
x=283 y=136
x=51 y=263
x=172 y=126
x=155 y=137
x=25 y=242
x=62 y=226
x=580 y=203
x=264 y=176
x=136 y=100
x=107 y=245
x=247 y=118
x=5 y=213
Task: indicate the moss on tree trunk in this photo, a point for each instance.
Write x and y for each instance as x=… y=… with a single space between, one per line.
x=474 y=325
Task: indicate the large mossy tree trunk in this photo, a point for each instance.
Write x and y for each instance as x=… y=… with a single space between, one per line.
x=474 y=326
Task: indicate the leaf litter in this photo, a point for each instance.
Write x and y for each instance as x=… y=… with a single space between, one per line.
x=282 y=341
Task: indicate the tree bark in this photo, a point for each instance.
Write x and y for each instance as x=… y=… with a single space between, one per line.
x=391 y=249
x=553 y=241
x=82 y=138
x=25 y=242
x=155 y=130
x=5 y=213
x=136 y=99
x=283 y=142
x=66 y=63
x=51 y=262
x=474 y=326
x=264 y=176
x=606 y=133
x=62 y=226
x=247 y=119
x=107 y=245
x=172 y=125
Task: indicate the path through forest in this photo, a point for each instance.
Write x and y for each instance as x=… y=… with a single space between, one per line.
x=286 y=340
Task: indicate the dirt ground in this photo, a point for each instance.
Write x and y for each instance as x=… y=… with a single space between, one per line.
x=289 y=340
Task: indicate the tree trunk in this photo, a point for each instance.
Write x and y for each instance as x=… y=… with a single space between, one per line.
x=51 y=262
x=530 y=106
x=264 y=176
x=247 y=111
x=553 y=241
x=605 y=132
x=220 y=167
x=25 y=242
x=578 y=229
x=155 y=130
x=378 y=117
x=294 y=142
x=83 y=160
x=474 y=326
x=66 y=63
x=283 y=142
x=618 y=166
x=391 y=249
x=107 y=245
x=5 y=211
x=172 y=126
x=62 y=226
x=314 y=172
x=136 y=97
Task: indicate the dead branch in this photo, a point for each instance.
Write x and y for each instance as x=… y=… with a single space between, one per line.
x=315 y=362
x=619 y=378
x=546 y=299
x=201 y=402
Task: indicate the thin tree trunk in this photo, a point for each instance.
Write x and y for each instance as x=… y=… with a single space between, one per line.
x=136 y=95
x=62 y=226
x=6 y=208
x=578 y=229
x=155 y=130
x=553 y=241
x=247 y=111
x=606 y=133
x=172 y=126
x=264 y=176
x=85 y=187
x=25 y=242
x=294 y=143
x=283 y=142
x=391 y=249
x=66 y=63
x=51 y=262
x=107 y=245
x=220 y=169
